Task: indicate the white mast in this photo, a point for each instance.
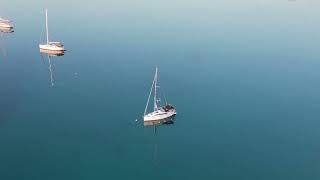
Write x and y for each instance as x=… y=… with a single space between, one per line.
x=155 y=90
x=145 y=110
x=47 y=31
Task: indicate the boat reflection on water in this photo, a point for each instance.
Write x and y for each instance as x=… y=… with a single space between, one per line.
x=155 y=125
x=51 y=54
x=3 y=32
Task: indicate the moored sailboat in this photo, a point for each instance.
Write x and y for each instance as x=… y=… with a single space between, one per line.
x=51 y=46
x=166 y=111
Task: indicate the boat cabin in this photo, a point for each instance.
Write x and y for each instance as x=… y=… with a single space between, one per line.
x=58 y=44
x=5 y=23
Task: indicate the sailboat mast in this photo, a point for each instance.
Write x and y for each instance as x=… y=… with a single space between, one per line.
x=155 y=90
x=47 y=31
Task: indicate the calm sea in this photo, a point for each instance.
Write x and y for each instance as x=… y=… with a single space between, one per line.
x=243 y=75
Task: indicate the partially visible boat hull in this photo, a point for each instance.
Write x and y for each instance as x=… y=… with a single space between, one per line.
x=169 y=120
x=51 y=47
x=149 y=117
x=3 y=25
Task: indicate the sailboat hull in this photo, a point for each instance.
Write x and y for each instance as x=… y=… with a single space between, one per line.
x=168 y=120
x=50 y=47
x=5 y=25
x=157 y=116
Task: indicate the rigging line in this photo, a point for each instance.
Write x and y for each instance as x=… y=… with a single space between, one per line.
x=164 y=96
x=155 y=90
x=162 y=92
x=40 y=40
x=145 y=110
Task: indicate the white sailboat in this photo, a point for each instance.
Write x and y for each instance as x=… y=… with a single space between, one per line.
x=5 y=23
x=159 y=113
x=51 y=46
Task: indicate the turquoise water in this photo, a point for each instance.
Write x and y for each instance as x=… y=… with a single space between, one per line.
x=244 y=77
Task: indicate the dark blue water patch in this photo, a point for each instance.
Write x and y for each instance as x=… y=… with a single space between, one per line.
x=11 y=94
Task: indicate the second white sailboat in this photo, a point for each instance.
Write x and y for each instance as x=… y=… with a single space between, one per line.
x=51 y=46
